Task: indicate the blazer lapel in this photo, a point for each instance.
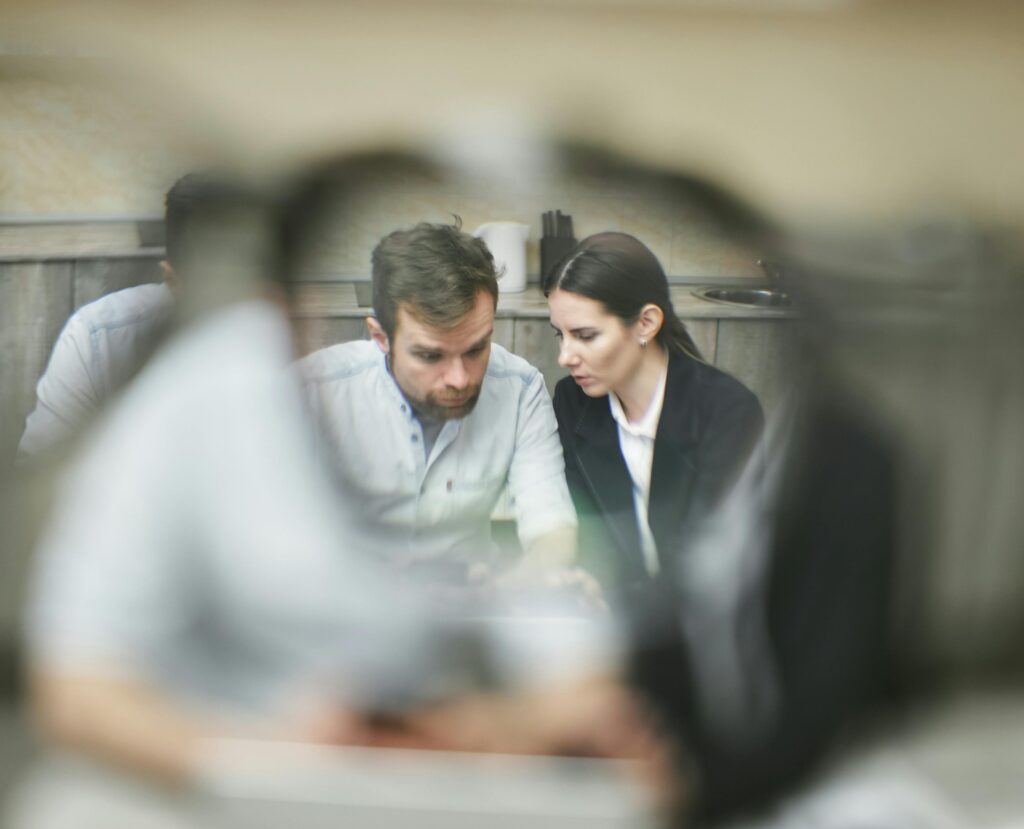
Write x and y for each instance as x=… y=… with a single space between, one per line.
x=602 y=464
x=673 y=469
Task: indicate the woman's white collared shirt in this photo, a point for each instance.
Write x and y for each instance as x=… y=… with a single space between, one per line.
x=636 y=442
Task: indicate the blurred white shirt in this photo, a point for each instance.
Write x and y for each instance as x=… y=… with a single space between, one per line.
x=195 y=542
x=101 y=344
x=409 y=507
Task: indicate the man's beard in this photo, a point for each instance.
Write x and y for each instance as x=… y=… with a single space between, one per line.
x=434 y=407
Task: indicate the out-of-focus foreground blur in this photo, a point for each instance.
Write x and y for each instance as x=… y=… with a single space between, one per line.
x=859 y=157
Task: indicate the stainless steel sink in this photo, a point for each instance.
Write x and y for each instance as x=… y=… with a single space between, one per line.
x=749 y=297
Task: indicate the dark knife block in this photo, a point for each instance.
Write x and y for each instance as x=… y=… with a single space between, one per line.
x=553 y=249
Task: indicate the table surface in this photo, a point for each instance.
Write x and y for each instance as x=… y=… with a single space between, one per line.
x=338 y=299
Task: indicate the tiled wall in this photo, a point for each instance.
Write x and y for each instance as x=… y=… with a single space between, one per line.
x=686 y=243
x=76 y=148
x=71 y=149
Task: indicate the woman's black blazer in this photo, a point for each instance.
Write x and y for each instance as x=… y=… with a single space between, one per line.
x=709 y=424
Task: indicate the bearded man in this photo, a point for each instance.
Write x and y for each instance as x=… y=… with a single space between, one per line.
x=428 y=421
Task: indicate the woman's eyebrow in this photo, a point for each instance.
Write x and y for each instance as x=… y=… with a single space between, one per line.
x=576 y=330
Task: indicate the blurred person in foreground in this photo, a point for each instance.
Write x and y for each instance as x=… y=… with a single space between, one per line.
x=653 y=435
x=429 y=421
x=190 y=583
x=777 y=643
x=105 y=342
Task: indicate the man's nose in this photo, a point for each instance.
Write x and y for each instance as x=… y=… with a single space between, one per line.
x=456 y=377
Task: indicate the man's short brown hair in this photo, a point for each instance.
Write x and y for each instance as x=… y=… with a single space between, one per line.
x=434 y=270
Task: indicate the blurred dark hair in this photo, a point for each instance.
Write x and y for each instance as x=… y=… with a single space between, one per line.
x=199 y=199
x=620 y=272
x=435 y=270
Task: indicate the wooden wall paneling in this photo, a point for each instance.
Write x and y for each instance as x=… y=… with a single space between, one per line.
x=535 y=342
x=35 y=301
x=705 y=335
x=315 y=333
x=96 y=277
x=757 y=353
x=504 y=332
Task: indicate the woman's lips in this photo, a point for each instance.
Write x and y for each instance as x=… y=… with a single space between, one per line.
x=581 y=379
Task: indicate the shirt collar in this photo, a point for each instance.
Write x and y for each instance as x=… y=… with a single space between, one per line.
x=647 y=426
x=398 y=396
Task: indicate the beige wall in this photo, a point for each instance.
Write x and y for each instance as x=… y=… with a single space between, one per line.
x=862 y=108
x=76 y=149
x=856 y=109
x=685 y=240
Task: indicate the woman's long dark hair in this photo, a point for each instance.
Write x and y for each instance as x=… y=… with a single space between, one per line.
x=620 y=272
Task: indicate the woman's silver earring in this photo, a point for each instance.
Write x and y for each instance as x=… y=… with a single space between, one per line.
x=643 y=342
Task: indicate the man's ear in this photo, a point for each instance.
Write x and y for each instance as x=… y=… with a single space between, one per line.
x=168 y=275
x=378 y=335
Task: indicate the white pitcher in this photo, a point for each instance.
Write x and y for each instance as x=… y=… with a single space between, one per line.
x=507 y=244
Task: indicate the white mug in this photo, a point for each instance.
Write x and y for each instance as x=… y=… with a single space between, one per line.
x=507 y=244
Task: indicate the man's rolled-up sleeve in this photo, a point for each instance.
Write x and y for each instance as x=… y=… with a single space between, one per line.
x=66 y=394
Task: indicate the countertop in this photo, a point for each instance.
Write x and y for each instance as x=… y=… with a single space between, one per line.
x=338 y=299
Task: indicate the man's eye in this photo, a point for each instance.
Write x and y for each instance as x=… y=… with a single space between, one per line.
x=428 y=357
x=558 y=335
x=475 y=352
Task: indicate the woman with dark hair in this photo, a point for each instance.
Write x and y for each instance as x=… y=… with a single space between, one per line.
x=653 y=436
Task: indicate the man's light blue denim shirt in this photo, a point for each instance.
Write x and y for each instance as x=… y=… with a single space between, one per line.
x=405 y=506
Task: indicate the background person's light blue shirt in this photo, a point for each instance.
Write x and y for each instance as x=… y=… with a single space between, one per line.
x=406 y=505
x=101 y=344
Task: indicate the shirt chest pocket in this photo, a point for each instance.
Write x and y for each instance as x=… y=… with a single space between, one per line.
x=451 y=496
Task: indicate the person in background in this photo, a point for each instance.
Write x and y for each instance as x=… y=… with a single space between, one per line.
x=429 y=421
x=653 y=436
x=104 y=343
